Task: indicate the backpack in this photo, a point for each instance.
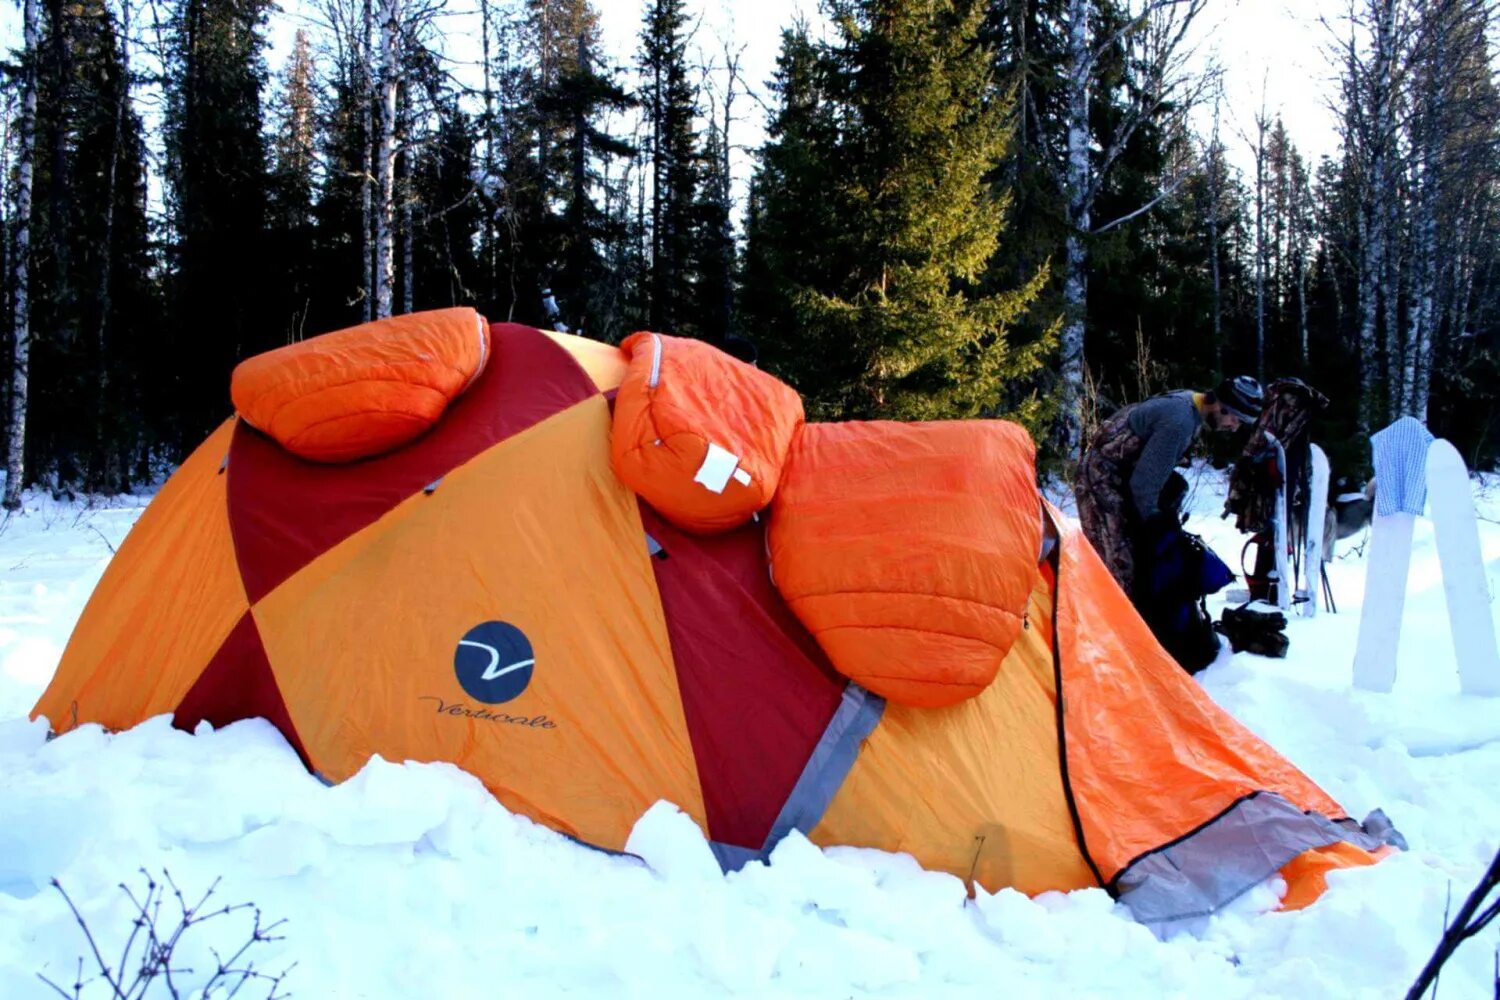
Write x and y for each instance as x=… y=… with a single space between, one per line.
x=1182 y=571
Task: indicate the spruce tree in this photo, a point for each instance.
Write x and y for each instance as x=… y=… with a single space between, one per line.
x=217 y=184
x=91 y=289
x=571 y=107
x=549 y=151
x=713 y=243
x=914 y=128
x=446 y=268
x=292 y=184
x=671 y=105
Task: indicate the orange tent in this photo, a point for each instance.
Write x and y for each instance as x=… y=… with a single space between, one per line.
x=491 y=594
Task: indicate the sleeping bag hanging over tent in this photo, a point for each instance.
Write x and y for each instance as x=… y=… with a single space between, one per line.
x=490 y=593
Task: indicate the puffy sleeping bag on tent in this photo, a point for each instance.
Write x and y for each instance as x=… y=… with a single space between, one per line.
x=698 y=434
x=908 y=550
x=365 y=390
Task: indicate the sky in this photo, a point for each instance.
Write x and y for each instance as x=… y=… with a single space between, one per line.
x=1274 y=49
x=1271 y=50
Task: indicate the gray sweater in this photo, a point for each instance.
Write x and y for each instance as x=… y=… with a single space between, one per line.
x=1167 y=425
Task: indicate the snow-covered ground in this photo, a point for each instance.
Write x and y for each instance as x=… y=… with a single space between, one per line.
x=410 y=881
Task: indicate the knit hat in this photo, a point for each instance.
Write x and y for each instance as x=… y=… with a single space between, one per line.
x=1242 y=396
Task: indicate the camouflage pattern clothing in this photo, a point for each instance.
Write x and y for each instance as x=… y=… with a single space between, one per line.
x=1118 y=481
x=1291 y=405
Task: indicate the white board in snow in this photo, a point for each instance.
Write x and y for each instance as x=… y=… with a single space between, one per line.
x=1317 y=514
x=1385 y=601
x=1284 y=578
x=1450 y=500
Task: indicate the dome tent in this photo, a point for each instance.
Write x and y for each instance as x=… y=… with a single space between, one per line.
x=491 y=594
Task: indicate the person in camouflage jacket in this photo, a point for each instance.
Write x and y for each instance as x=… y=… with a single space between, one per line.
x=1132 y=455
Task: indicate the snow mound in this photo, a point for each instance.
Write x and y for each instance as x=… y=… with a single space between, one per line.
x=411 y=880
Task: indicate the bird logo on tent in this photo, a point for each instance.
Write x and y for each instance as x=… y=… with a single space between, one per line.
x=494 y=662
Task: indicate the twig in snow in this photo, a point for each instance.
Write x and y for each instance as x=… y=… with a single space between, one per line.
x=151 y=966
x=1464 y=926
x=102 y=538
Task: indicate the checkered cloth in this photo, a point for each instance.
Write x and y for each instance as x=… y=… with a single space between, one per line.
x=1401 y=466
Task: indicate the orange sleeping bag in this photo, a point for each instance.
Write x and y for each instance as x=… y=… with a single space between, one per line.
x=365 y=390
x=910 y=550
x=699 y=435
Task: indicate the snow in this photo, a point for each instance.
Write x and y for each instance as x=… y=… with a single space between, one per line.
x=411 y=880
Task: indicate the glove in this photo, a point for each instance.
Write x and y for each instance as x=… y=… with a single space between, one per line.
x=1161 y=524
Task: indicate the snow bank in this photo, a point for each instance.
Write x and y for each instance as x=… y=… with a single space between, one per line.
x=410 y=880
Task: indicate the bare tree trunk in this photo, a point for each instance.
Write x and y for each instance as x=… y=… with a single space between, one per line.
x=408 y=198
x=1302 y=334
x=21 y=357
x=385 y=156
x=488 y=259
x=1260 y=242
x=105 y=473
x=1215 y=157
x=658 y=182
x=1152 y=33
x=1384 y=193
x=367 y=174
x=1369 y=227
x=1423 y=279
x=1080 y=205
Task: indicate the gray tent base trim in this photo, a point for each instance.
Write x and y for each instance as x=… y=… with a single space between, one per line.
x=1179 y=886
x=856 y=717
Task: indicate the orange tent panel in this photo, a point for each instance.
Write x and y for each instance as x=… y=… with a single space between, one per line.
x=1154 y=757
x=973 y=789
x=598 y=733
x=172 y=594
x=606 y=364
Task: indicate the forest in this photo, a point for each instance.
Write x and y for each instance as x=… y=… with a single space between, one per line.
x=956 y=208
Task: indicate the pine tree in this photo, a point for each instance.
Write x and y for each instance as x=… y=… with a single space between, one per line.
x=713 y=243
x=292 y=187
x=571 y=108
x=670 y=102
x=446 y=269
x=217 y=184
x=89 y=286
x=913 y=126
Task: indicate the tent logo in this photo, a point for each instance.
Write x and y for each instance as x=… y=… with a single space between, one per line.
x=494 y=662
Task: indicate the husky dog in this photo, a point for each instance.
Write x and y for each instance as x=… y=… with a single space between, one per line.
x=1349 y=513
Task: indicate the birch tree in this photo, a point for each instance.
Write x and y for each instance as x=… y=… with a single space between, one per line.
x=1153 y=34
x=21 y=263
x=1371 y=94
x=1452 y=133
x=392 y=15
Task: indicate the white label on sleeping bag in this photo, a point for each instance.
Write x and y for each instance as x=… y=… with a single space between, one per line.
x=742 y=477
x=717 y=468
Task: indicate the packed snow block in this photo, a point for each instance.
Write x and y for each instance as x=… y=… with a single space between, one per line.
x=699 y=435
x=363 y=391
x=909 y=551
